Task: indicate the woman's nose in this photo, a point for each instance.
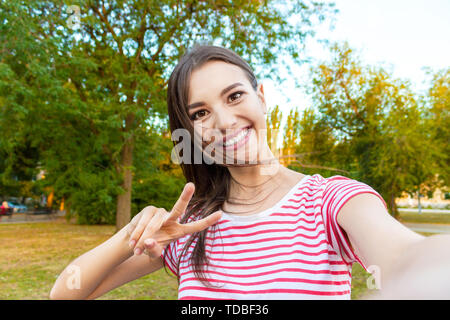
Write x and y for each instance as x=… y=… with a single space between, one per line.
x=224 y=120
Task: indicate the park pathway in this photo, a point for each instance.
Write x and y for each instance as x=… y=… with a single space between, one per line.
x=428 y=227
x=23 y=218
x=27 y=218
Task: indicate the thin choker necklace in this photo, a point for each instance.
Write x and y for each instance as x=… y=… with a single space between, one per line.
x=246 y=203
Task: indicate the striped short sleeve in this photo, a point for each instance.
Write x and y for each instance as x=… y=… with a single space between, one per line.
x=338 y=190
x=169 y=256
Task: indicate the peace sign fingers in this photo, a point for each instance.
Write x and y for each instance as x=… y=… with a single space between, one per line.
x=180 y=206
x=202 y=224
x=155 y=223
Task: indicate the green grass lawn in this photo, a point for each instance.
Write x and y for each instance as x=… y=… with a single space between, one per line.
x=34 y=254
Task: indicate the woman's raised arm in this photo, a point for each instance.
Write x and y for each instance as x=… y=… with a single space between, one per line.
x=86 y=273
x=118 y=260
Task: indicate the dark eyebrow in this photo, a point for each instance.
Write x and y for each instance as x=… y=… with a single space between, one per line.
x=224 y=91
x=234 y=85
x=195 y=105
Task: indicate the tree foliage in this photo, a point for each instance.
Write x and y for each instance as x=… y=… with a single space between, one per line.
x=86 y=80
x=382 y=124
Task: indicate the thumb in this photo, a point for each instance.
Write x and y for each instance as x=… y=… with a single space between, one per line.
x=152 y=248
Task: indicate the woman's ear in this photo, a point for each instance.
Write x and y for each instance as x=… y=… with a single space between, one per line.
x=260 y=93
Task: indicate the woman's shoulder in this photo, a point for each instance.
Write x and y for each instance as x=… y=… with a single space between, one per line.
x=316 y=181
x=343 y=180
x=318 y=178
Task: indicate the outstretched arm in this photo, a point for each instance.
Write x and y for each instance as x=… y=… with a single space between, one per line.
x=411 y=266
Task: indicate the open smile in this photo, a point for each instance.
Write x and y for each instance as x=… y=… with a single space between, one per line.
x=237 y=140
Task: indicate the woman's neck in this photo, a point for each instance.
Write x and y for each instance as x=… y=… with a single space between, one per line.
x=251 y=191
x=254 y=183
x=255 y=175
x=258 y=186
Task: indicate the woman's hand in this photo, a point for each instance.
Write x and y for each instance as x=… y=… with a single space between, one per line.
x=153 y=228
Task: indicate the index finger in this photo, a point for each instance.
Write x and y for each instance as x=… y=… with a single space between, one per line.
x=182 y=202
x=202 y=224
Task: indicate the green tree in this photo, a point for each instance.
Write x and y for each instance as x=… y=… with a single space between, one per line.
x=273 y=122
x=381 y=121
x=405 y=153
x=437 y=114
x=291 y=136
x=316 y=146
x=89 y=83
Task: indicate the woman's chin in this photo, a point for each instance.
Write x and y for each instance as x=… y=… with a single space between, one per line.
x=240 y=160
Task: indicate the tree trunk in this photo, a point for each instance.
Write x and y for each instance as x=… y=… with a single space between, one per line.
x=123 y=211
x=393 y=206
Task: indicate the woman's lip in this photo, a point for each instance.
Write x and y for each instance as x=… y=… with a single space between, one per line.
x=240 y=143
x=234 y=135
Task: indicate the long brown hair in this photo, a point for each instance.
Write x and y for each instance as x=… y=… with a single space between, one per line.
x=212 y=181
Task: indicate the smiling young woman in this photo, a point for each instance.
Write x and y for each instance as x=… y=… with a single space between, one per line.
x=238 y=230
x=278 y=236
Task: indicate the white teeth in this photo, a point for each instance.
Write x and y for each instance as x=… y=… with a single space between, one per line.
x=236 y=139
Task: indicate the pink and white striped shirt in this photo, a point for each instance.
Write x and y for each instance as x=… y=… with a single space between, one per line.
x=294 y=250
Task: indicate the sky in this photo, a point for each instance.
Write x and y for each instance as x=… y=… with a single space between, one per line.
x=403 y=35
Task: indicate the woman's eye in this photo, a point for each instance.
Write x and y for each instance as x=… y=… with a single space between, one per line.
x=235 y=96
x=196 y=115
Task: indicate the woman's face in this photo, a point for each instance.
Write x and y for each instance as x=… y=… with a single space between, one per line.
x=227 y=112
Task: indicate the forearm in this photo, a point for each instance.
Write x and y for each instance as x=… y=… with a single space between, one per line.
x=422 y=272
x=82 y=276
